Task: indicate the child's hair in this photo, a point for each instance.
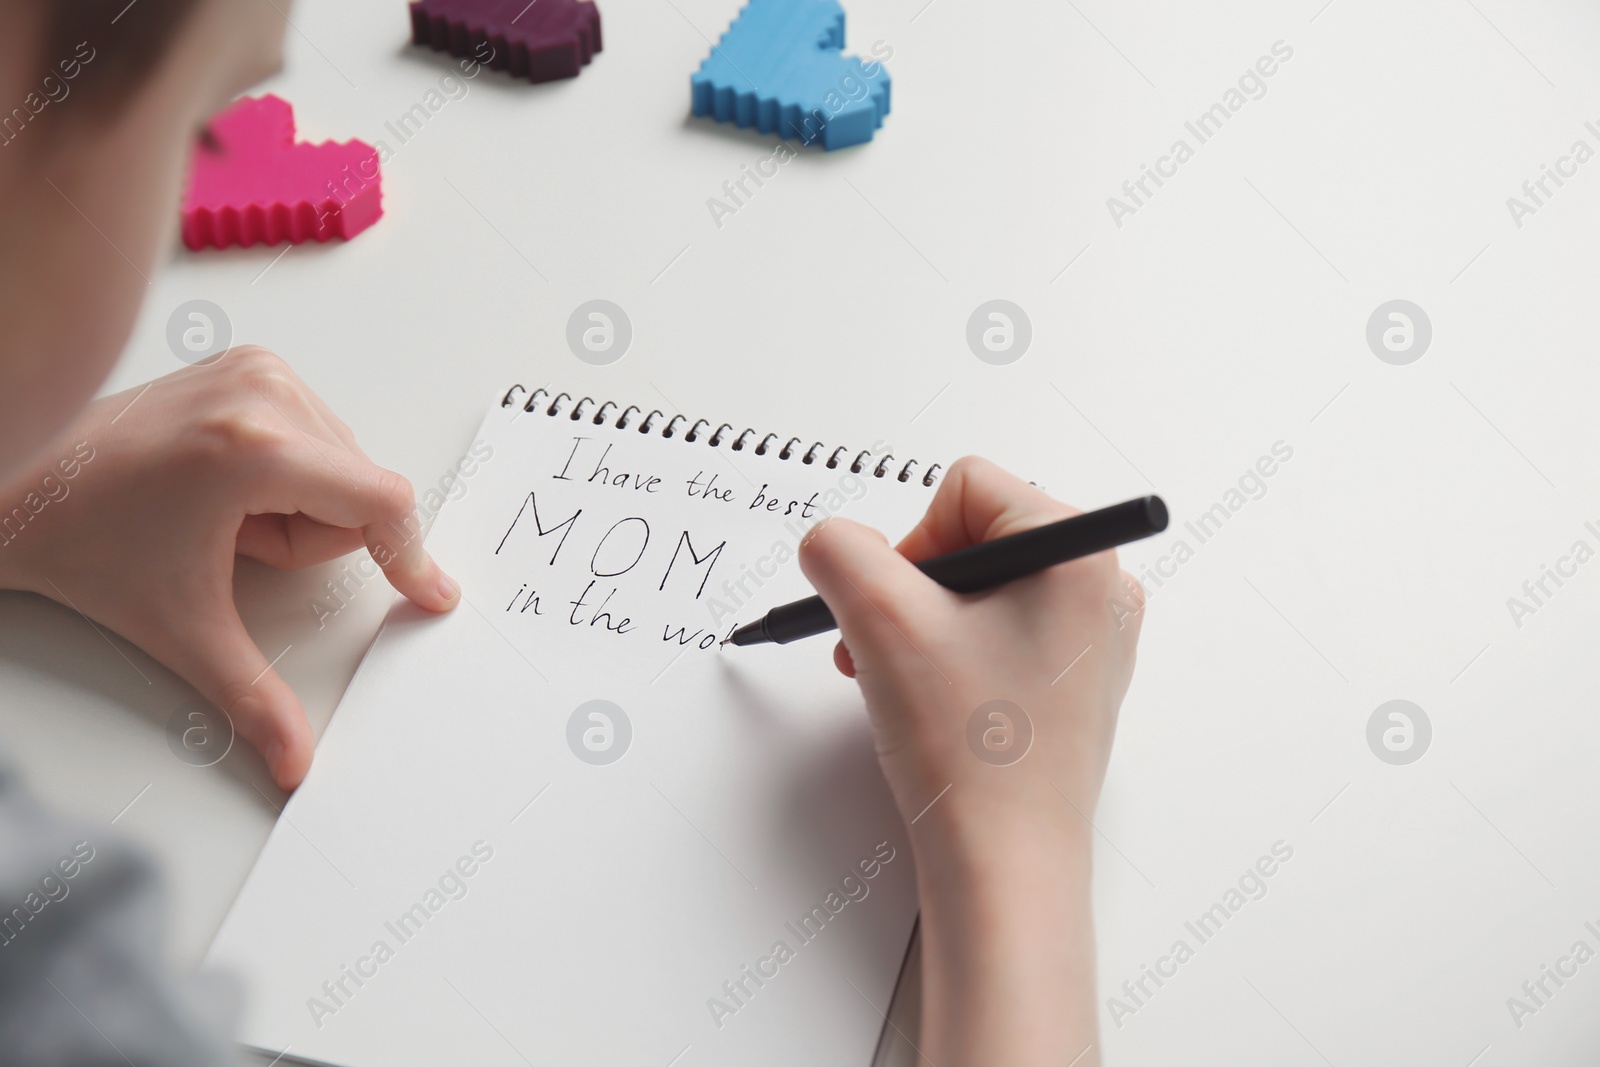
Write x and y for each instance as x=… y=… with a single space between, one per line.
x=127 y=41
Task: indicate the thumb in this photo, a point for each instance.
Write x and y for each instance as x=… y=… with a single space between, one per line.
x=877 y=596
x=220 y=660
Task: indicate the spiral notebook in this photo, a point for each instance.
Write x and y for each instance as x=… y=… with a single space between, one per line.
x=560 y=825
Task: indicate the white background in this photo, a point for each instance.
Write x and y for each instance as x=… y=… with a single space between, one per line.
x=1226 y=315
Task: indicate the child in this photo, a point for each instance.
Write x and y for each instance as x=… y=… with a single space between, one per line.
x=170 y=482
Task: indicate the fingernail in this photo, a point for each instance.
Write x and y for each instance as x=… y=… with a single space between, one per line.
x=448 y=589
x=812 y=533
x=274 y=756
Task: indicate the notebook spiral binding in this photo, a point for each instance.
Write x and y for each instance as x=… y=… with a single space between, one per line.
x=552 y=406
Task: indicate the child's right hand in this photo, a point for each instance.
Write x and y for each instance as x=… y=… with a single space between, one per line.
x=1002 y=848
x=927 y=658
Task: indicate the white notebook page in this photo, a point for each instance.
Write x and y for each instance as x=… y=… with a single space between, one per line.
x=471 y=874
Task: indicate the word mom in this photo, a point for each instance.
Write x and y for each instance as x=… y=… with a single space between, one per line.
x=620 y=549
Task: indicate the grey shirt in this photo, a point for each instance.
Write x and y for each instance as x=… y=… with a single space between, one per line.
x=82 y=981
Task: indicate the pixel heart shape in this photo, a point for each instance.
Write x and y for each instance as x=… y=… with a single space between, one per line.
x=781 y=68
x=541 y=41
x=252 y=183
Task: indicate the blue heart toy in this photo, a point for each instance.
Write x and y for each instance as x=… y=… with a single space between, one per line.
x=781 y=68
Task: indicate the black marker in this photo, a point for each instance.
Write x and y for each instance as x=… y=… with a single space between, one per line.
x=984 y=566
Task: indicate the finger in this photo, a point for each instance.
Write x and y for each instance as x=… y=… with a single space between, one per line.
x=1128 y=608
x=290 y=542
x=340 y=429
x=976 y=502
x=328 y=484
x=337 y=488
x=220 y=660
x=397 y=548
x=843 y=660
x=333 y=485
x=876 y=595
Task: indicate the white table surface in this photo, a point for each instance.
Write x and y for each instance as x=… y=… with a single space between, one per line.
x=1168 y=354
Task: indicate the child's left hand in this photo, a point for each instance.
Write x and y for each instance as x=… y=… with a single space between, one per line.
x=135 y=516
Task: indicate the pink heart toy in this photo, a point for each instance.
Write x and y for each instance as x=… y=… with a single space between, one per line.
x=252 y=183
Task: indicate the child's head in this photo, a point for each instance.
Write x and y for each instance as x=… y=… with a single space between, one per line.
x=100 y=102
